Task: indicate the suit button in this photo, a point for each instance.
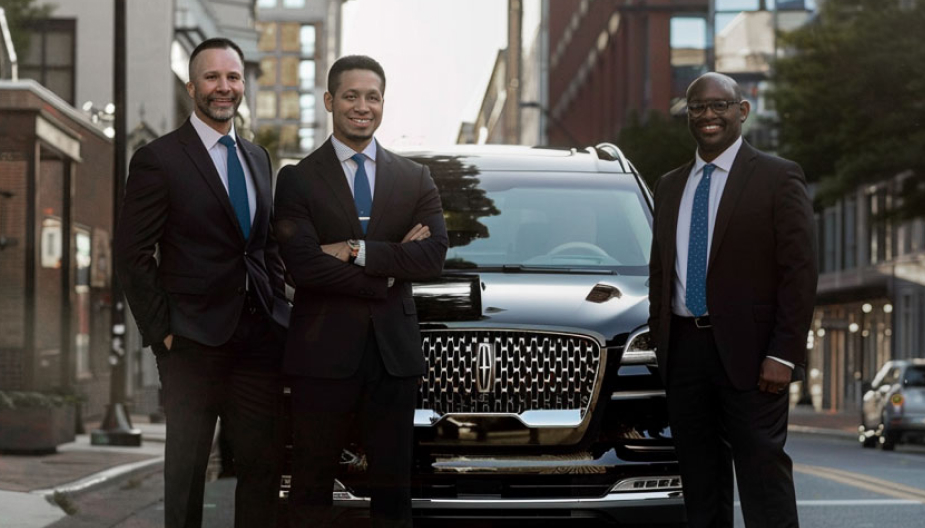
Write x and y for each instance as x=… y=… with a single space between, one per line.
x=240 y=290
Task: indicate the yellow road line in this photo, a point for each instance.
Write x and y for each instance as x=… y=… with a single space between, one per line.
x=864 y=482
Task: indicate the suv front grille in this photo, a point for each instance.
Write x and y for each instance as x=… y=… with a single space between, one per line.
x=520 y=371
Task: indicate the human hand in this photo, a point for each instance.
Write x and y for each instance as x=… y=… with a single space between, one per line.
x=338 y=250
x=168 y=341
x=774 y=376
x=417 y=233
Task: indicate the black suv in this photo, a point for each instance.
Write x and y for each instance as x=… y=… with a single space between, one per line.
x=542 y=399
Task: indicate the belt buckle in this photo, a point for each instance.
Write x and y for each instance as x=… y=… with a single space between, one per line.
x=702 y=322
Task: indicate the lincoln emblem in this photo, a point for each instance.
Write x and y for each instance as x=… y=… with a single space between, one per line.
x=485 y=367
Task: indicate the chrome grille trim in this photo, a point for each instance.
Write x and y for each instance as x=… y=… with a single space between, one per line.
x=532 y=371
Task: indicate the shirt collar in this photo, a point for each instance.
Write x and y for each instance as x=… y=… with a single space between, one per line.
x=723 y=161
x=344 y=152
x=207 y=134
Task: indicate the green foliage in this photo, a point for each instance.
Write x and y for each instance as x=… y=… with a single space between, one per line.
x=19 y=15
x=656 y=144
x=849 y=97
x=33 y=399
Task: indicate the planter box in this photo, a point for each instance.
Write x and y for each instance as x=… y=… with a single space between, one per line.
x=36 y=429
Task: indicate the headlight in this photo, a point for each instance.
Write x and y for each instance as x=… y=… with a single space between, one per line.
x=639 y=349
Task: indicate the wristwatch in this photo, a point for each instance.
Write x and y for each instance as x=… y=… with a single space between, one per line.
x=354 y=247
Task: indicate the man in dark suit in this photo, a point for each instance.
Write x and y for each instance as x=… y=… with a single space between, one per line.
x=356 y=225
x=732 y=286
x=212 y=305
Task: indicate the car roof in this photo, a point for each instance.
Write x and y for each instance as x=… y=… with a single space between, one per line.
x=918 y=362
x=519 y=158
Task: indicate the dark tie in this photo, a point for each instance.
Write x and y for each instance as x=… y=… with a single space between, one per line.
x=237 y=188
x=696 y=292
x=361 y=193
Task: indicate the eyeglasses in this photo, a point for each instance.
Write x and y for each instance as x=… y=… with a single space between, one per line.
x=718 y=107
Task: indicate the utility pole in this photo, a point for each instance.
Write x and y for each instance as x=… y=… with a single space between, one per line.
x=116 y=428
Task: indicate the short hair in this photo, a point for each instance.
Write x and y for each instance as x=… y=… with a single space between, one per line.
x=214 y=43
x=353 y=62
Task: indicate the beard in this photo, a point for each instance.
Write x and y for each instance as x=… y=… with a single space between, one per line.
x=217 y=114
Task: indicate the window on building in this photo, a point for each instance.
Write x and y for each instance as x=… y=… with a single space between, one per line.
x=878 y=226
x=266 y=40
x=289 y=138
x=289 y=105
x=307 y=106
x=306 y=139
x=266 y=104
x=908 y=328
x=289 y=71
x=266 y=3
x=307 y=74
x=307 y=38
x=688 y=52
x=290 y=36
x=829 y=260
x=293 y=3
x=267 y=71
x=849 y=228
x=49 y=60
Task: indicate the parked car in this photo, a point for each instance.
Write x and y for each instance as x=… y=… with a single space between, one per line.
x=542 y=399
x=893 y=409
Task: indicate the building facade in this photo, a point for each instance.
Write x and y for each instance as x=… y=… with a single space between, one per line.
x=298 y=42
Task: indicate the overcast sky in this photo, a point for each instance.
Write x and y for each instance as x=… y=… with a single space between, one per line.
x=437 y=56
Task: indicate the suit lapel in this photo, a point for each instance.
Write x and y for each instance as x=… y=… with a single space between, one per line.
x=385 y=182
x=196 y=151
x=252 y=153
x=742 y=168
x=674 y=192
x=332 y=172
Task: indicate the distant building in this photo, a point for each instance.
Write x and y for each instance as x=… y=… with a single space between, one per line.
x=299 y=40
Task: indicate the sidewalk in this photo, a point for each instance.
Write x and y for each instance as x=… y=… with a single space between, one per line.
x=28 y=484
x=805 y=419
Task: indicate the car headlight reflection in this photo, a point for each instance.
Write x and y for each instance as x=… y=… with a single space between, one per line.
x=640 y=349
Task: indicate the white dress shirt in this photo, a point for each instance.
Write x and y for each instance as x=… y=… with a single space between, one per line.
x=219 y=155
x=344 y=155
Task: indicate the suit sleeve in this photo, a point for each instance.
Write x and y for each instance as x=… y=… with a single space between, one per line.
x=141 y=223
x=796 y=263
x=414 y=260
x=300 y=246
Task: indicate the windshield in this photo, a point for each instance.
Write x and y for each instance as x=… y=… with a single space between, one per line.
x=556 y=221
x=915 y=377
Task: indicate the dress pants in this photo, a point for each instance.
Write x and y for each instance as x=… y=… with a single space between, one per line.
x=324 y=411
x=714 y=424
x=239 y=381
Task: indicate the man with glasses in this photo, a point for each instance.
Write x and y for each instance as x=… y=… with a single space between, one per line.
x=733 y=280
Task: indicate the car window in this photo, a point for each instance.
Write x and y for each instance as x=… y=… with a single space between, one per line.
x=558 y=221
x=914 y=377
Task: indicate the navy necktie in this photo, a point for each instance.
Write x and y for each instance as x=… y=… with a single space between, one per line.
x=237 y=188
x=362 y=196
x=696 y=290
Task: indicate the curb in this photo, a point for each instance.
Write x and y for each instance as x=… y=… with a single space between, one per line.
x=832 y=433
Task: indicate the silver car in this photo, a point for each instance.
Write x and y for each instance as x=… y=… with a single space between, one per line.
x=893 y=410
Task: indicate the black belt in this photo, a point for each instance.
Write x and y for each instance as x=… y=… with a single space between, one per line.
x=702 y=322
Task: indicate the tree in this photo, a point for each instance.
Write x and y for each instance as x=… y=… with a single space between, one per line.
x=656 y=145
x=20 y=14
x=850 y=97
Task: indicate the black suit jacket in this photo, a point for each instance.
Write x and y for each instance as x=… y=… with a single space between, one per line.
x=175 y=202
x=761 y=273
x=335 y=301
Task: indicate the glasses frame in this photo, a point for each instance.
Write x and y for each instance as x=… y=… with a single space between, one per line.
x=712 y=106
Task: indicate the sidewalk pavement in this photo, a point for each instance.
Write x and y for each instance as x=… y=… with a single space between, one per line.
x=28 y=484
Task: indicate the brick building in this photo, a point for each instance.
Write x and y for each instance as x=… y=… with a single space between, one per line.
x=55 y=226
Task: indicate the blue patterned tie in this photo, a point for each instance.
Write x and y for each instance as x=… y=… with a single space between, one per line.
x=361 y=193
x=237 y=188
x=696 y=292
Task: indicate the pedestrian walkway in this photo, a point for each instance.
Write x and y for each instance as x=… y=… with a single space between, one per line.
x=805 y=419
x=28 y=483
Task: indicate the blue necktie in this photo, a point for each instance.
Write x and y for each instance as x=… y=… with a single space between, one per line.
x=237 y=188
x=362 y=196
x=696 y=292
